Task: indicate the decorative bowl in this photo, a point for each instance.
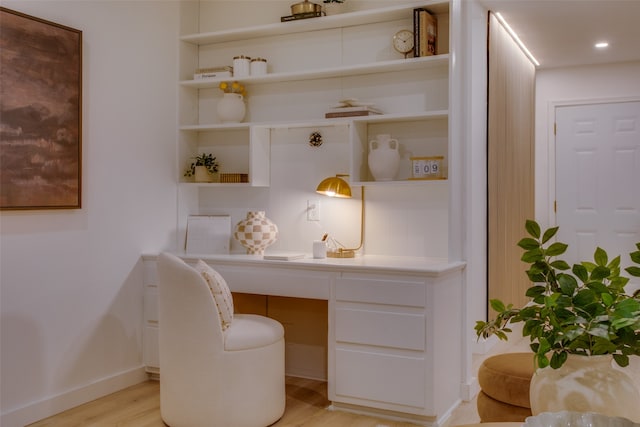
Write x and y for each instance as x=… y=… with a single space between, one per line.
x=576 y=419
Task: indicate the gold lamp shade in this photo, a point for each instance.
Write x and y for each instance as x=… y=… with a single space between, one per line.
x=334 y=186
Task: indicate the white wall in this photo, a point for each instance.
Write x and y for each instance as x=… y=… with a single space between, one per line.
x=608 y=82
x=71 y=289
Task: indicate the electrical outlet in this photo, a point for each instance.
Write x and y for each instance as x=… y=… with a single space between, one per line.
x=313 y=210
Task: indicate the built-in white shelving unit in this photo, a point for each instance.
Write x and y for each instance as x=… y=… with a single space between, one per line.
x=313 y=64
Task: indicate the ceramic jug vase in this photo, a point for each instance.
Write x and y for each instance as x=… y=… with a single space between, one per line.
x=256 y=232
x=384 y=157
x=231 y=108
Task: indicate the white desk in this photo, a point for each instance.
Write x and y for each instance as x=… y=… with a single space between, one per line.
x=395 y=325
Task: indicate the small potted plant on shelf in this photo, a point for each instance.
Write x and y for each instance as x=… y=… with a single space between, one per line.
x=332 y=7
x=578 y=320
x=204 y=168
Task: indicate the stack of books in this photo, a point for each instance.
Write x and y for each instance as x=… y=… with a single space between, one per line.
x=425 y=32
x=351 y=108
x=351 y=112
x=234 y=177
x=212 y=72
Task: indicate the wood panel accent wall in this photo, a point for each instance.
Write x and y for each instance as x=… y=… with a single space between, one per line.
x=510 y=163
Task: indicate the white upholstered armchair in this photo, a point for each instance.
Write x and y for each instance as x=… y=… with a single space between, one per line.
x=216 y=369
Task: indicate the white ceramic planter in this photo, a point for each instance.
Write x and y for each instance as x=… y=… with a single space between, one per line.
x=202 y=174
x=585 y=384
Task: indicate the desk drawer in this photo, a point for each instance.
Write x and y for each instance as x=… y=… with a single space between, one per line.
x=380 y=328
x=381 y=291
x=381 y=377
x=276 y=281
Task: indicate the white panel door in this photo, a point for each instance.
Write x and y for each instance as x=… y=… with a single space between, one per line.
x=598 y=179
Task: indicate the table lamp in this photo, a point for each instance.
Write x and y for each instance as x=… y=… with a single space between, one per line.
x=335 y=186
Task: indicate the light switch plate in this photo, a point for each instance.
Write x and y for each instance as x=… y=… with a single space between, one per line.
x=313 y=210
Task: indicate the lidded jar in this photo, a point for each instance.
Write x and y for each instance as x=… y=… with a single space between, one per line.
x=241 y=66
x=258 y=66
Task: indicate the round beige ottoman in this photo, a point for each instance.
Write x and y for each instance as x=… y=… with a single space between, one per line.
x=492 y=425
x=504 y=382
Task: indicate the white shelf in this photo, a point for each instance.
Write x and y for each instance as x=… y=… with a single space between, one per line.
x=426 y=76
x=314 y=24
x=219 y=126
x=427 y=115
x=408 y=182
x=343 y=71
x=342 y=121
x=216 y=184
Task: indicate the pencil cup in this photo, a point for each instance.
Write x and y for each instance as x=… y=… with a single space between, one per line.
x=319 y=249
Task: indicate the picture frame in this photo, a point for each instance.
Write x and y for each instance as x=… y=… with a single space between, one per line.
x=40 y=113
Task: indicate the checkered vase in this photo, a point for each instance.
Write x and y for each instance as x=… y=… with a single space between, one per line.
x=256 y=232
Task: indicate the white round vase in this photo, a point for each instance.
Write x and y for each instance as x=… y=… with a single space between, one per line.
x=256 y=232
x=585 y=384
x=231 y=108
x=384 y=157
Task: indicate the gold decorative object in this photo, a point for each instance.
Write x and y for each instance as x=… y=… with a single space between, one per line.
x=335 y=186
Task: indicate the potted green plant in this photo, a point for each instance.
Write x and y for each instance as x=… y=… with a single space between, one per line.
x=332 y=7
x=203 y=168
x=581 y=310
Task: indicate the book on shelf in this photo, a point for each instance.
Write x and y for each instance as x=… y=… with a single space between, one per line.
x=234 y=178
x=356 y=113
x=297 y=16
x=212 y=72
x=416 y=31
x=425 y=26
x=351 y=111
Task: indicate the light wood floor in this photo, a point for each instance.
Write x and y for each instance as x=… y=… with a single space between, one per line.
x=139 y=406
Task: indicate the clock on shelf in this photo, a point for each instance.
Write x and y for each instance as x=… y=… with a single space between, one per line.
x=403 y=42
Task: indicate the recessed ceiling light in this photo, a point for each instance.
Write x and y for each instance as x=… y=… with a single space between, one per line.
x=601 y=45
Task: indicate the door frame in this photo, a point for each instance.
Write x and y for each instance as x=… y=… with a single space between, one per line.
x=551 y=141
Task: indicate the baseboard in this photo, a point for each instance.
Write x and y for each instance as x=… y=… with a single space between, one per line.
x=385 y=414
x=55 y=404
x=470 y=389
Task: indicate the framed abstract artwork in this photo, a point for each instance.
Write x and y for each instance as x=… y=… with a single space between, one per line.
x=40 y=113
